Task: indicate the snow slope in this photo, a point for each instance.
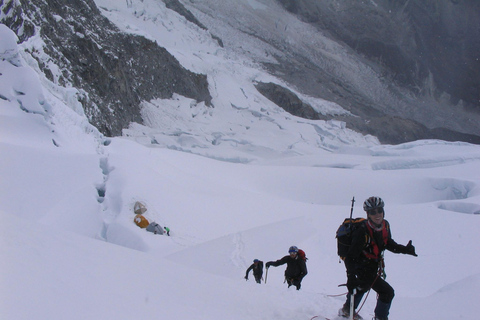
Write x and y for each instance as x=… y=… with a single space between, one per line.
x=70 y=249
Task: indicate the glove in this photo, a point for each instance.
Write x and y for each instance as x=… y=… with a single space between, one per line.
x=246 y=277
x=268 y=264
x=352 y=282
x=410 y=249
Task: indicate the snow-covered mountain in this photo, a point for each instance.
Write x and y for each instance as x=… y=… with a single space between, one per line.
x=69 y=248
x=123 y=56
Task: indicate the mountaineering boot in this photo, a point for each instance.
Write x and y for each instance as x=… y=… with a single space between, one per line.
x=381 y=310
x=344 y=312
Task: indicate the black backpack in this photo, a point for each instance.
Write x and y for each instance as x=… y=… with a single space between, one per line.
x=344 y=234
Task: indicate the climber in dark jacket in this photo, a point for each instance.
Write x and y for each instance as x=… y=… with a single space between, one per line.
x=364 y=260
x=257 y=267
x=296 y=267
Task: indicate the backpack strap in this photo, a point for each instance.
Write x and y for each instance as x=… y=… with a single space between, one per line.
x=375 y=253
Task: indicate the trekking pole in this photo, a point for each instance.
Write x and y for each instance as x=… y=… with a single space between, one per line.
x=351 y=214
x=351 y=210
x=352 y=299
x=266 y=274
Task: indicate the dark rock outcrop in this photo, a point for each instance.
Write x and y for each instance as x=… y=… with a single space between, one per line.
x=287 y=100
x=179 y=8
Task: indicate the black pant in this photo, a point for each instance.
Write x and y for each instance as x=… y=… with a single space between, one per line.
x=294 y=282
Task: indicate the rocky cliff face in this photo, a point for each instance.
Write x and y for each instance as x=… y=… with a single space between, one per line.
x=425 y=49
x=113 y=70
x=411 y=39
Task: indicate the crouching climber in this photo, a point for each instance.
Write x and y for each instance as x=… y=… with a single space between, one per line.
x=143 y=222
